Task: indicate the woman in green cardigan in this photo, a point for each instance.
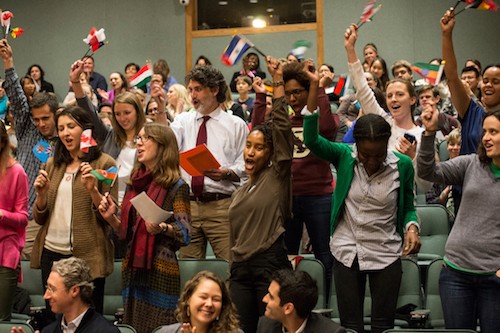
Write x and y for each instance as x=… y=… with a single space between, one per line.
x=373 y=208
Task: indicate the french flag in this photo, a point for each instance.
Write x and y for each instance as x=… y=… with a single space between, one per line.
x=235 y=50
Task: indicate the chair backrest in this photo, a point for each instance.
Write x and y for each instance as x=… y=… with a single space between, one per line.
x=316 y=269
x=434 y=230
x=32 y=282
x=189 y=267
x=124 y=328
x=443 y=151
x=406 y=330
x=6 y=326
x=113 y=292
x=432 y=297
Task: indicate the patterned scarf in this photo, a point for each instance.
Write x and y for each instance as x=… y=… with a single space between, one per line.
x=142 y=243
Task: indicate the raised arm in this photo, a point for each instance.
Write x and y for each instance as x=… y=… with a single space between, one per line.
x=459 y=96
x=17 y=98
x=365 y=95
x=100 y=131
x=259 y=107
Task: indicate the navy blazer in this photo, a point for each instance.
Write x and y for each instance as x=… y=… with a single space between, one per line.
x=316 y=323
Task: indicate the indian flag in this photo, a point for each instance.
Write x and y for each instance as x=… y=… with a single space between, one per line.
x=142 y=77
x=108 y=176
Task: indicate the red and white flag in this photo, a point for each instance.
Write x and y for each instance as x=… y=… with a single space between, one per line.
x=95 y=38
x=87 y=141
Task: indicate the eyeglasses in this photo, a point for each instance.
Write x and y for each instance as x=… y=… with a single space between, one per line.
x=50 y=288
x=294 y=92
x=143 y=139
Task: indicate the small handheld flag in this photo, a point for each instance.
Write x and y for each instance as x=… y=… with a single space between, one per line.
x=95 y=39
x=87 y=141
x=42 y=150
x=300 y=47
x=235 y=50
x=16 y=32
x=432 y=73
x=142 y=77
x=478 y=4
x=108 y=176
x=368 y=13
x=340 y=87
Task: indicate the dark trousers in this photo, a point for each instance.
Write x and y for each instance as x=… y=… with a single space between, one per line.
x=249 y=282
x=469 y=297
x=350 y=284
x=315 y=213
x=49 y=257
x=8 y=283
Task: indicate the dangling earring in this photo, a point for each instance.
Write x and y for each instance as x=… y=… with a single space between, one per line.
x=188 y=312
x=270 y=164
x=217 y=318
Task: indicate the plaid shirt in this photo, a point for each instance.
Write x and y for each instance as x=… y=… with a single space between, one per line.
x=26 y=132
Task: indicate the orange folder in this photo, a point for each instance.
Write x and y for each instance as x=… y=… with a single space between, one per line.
x=195 y=161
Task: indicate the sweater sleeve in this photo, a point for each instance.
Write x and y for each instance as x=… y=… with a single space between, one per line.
x=182 y=217
x=18 y=183
x=282 y=131
x=328 y=121
x=42 y=215
x=100 y=130
x=365 y=95
x=259 y=109
x=450 y=172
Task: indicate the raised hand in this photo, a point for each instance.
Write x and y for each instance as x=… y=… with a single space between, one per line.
x=274 y=67
x=75 y=71
x=351 y=36
x=258 y=85
x=310 y=70
x=158 y=93
x=104 y=94
x=448 y=21
x=107 y=206
x=6 y=53
x=430 y=117
x=42 y=183
x=88 y=179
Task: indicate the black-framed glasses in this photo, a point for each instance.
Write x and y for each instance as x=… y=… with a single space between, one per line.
x=142 y=138
x=294 y=92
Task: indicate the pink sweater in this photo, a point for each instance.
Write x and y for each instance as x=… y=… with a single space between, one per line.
x=14 y=208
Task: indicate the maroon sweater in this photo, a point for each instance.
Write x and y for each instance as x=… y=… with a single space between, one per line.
x=311 y=175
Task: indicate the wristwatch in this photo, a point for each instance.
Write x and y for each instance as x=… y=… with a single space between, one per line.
x=278 y=83
x=228 y=174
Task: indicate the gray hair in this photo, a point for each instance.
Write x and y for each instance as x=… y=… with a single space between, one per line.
x=75 y=272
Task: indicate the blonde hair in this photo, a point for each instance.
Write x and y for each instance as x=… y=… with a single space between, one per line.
x=182 y=93
x=455 y=136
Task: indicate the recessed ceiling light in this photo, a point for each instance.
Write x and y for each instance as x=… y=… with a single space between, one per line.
x=254 y=1
x=222 y=3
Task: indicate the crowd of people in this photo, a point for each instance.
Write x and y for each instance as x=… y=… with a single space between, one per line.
x=277 y=143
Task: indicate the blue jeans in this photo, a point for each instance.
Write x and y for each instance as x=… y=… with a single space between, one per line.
x=315 y=212
x=469 y=297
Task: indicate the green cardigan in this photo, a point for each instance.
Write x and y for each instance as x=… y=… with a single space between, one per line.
x=340 y=155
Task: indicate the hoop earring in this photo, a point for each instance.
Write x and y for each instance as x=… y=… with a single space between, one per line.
x=270 y=164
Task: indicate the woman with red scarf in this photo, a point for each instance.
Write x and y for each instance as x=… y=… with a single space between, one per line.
x=151 y=283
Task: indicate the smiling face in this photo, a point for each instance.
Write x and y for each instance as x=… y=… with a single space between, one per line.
x=70 y=134
x=125 y=116
x=272 y=299
x=399 y=101
x=205 y=304
x=370 y=54
x=471 y=79
x=491 y=138
x=88 y=65
x=256 y=154
x=204 y=100
x=130 y=71
x=44 y=120
x=453 y=148
x=490 y=88
x=59 y=298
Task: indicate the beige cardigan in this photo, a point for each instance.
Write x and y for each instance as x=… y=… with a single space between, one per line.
x=91 y=240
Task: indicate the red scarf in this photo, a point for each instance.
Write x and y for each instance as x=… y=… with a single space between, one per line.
x=142 y=242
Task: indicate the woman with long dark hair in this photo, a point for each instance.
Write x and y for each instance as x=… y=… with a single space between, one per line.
x=66 y=194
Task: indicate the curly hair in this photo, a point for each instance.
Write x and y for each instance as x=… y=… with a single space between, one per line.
x=294 y=71
x=210 y=77
x=228 y=319
x=75 y=272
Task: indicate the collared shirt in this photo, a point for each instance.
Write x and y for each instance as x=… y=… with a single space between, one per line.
x=299 y=330
x=226 y=138
x=367 y=227
x=26 y=132
x=72 y=326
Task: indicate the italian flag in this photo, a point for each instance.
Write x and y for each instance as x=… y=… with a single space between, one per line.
x=142 y=77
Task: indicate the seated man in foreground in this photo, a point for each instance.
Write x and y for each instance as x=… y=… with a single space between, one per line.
x=69 y=292
x=289 y=303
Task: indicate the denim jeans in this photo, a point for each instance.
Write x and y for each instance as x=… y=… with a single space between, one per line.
x=315 y=212
x=468 y=297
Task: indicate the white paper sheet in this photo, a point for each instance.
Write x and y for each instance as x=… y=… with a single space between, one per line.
x=148 y=210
